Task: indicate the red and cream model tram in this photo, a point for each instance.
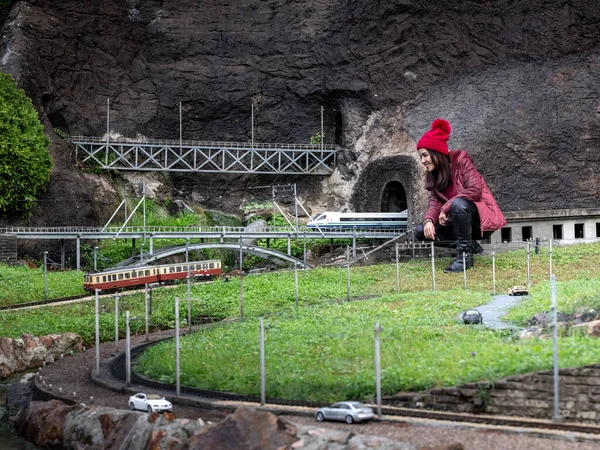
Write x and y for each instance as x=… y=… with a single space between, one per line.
x=139 y=276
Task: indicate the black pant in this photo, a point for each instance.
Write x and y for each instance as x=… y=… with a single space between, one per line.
x=445 y=234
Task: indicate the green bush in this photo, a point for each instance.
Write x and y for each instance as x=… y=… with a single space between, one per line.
x=24 y=159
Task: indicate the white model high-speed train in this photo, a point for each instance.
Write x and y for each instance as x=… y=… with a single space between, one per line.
x=328 y=220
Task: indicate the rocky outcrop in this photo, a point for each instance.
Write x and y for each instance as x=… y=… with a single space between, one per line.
x=27 y=351
x=519 y=81
x=82 y=428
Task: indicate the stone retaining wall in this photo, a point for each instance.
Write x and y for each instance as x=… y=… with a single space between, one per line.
x=530 y=395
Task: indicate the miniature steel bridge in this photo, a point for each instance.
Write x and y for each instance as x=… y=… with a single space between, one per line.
x=200 y=156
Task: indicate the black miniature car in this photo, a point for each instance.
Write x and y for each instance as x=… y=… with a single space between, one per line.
x=472 y=316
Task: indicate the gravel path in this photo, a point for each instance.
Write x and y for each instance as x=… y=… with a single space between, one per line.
x=72 y=374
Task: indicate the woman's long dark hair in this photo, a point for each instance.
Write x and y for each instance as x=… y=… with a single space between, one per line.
x=440 y=178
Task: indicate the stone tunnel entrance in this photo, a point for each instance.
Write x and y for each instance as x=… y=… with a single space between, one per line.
x=391 y=184
x=393 y=198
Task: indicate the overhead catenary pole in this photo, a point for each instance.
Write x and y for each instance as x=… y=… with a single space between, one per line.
x=528 y=265
x=550 y=258
x=107 y=123
x=432 y=268
x=116 y=320
x=296 y=209
x=493 y=273
x=322 y=135
x=296 y=283
x=241 y=283
x=348 y=272
x=378 y=368
x=97 y=327
x=397 y=270
x=127 y=350
x=556 y=417
x=146 y=310
x=189 y=297
x=262 y=362
x=45 y=275
x=144 y=200
x=180 y=131
x=252 y=124
x=464 y=270
x=177 y=350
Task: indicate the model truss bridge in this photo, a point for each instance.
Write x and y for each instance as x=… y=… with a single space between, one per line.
x=201 y=156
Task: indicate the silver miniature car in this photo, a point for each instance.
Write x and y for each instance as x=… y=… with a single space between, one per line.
x=349 y=412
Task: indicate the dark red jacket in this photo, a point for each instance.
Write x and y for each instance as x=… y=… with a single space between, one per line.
x=471 y=186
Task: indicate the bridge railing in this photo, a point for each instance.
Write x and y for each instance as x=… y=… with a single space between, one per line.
x=188 y=229
x=192 y=143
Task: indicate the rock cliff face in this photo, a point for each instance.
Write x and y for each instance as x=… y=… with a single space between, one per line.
x=518 y=79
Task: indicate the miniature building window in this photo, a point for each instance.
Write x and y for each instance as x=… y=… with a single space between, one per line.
x=526 y=233
x=506 y=234
x=557 y=231
x=597 y=229
x=578 y=231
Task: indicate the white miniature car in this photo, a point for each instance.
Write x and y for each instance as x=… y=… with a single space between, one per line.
x=149 y=402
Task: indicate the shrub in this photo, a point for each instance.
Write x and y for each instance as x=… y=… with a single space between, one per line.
x=24 y=159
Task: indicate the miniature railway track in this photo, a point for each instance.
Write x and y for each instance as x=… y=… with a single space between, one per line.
x=49 y=301
x=118 y=371
x=104 y=294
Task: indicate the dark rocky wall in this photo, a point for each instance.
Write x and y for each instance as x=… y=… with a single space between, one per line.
x=517 y=78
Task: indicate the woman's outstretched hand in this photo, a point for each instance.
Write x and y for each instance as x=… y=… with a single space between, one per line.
x=429 y=230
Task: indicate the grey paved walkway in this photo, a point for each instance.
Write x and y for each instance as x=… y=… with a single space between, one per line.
x=493 y=310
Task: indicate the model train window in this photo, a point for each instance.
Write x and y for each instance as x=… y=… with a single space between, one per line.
x=211 y=265
x=97 y=279
x=171 y=269
x=133 y=275
x=114 y=277
x=147 y=272
x=205 y=266
x=120 y=276
x=375 y=219
x=104 y=278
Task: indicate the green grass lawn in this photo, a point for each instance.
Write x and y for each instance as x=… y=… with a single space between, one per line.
x=324 y=351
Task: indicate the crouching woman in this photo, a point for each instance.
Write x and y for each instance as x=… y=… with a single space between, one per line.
x=461 y=207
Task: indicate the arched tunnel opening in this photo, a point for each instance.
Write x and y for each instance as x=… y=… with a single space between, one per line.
x=390 y=184
x=393 y=198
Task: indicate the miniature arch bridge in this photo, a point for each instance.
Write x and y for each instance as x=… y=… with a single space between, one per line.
x=261 y=252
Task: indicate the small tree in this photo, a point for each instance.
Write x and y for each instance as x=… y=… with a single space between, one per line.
x=24 y=159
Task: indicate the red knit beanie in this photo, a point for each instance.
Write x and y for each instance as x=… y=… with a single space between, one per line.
x=437 y=138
